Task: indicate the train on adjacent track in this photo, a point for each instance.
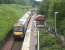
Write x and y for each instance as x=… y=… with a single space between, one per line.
x=20 y=26
x=40 y=19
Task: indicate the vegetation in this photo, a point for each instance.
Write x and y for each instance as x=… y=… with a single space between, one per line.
x=9 y=13
x=49 y=7
x=48 y=42
x=22 y=2
x=7 y=1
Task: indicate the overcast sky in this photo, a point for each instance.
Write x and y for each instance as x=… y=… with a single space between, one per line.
x=38 y=0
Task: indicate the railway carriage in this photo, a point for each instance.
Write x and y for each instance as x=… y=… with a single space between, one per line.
x=18 y=31
x=20 y=27
x=40 y=19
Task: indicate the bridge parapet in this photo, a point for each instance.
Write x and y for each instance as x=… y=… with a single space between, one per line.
x=30 y=40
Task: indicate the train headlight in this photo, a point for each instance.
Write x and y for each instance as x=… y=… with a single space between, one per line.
x=18 y=33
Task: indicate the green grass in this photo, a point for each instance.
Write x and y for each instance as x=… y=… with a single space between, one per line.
x=9 y=13
x=48 y=42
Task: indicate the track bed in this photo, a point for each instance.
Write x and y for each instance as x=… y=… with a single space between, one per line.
x=11 y=44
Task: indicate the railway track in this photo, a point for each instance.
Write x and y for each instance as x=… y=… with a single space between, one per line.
x=17 y=45
x=11 y=44
x=8 y=44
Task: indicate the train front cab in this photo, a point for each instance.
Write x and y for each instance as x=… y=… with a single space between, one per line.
x=19 y=33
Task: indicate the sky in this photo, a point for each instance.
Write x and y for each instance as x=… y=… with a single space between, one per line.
x=38 y=0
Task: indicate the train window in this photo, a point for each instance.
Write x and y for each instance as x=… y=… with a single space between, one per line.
x=19 y=29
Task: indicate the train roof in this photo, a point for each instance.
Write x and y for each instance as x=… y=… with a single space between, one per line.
x=24 y=18
x=40 y=17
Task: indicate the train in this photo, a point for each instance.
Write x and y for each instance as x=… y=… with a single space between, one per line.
x=20 y=27
x=40 y=19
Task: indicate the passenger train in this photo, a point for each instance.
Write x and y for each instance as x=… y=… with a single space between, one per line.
x=20 y=27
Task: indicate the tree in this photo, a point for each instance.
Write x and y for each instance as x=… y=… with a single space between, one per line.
x=48 y=7
x=60 y=7
x=20 y=2
x=7 y=1
x=43 y=8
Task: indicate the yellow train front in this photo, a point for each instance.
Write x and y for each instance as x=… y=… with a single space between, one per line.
x=18 y=32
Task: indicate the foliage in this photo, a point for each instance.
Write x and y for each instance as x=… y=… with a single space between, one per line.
x=20 y=2
x=12 y=2
x=7 y=1
x=60 y=7
x=48 y=42
x=49 y=7
x=9 y=13
x=44 y=7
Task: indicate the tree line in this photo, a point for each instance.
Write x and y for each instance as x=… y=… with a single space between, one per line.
x=12 y=2
x=49 y=7
x=7 y=1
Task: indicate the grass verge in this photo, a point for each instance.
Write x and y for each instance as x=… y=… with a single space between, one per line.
x=9 y=13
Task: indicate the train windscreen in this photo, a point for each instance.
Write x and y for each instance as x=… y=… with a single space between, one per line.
x=18 y=29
